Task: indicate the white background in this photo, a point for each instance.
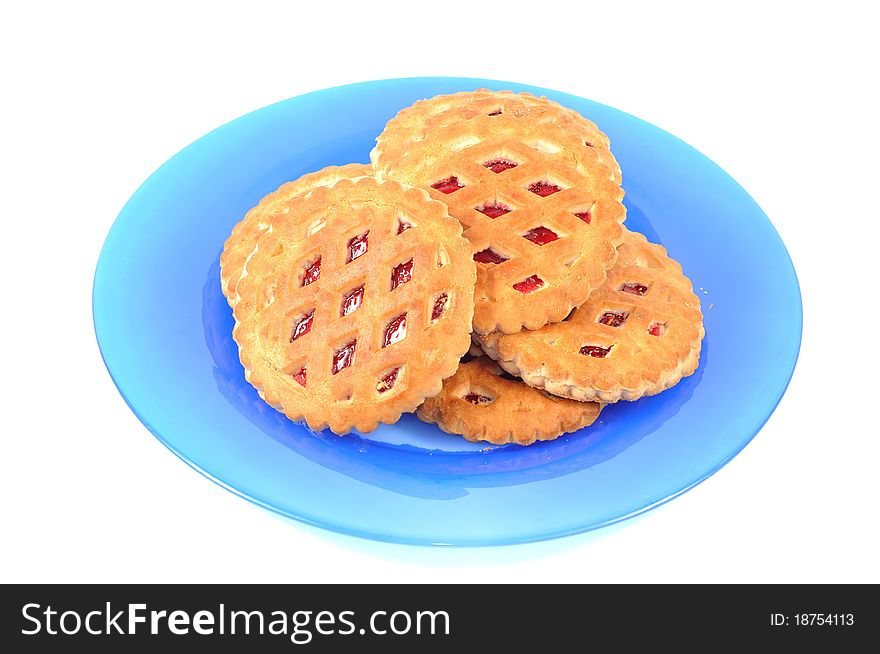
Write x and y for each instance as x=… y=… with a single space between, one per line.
x=98 y=96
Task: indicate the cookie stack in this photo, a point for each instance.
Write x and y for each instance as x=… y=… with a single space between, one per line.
x=490 y=218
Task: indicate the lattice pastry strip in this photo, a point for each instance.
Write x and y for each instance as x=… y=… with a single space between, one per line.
x=357 y=305
x=541 y=209
x=483 y=403
x=245 y=234
x=637 y=335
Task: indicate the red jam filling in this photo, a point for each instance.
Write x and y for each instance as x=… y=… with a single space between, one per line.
x=499 y=165
x=540 y=235
x=544 y=188
x=312 y=272
x=386 y=383
x=300 y=376
x=352 y=300
x=401 y=274
x=588 y=144
x=439 y=306
x=494 y=209
x=595 y=351
x=613 y=319
x=344 y=356
x=357 y=246
x=303 y=326
x=584 y=215
x=656 y=329
x=395 y=331
x=529 y=284
x=448 y=185
x=497 y=112
x=402 y=226
x=476 y=398
x=635 y=289
x=489 y=256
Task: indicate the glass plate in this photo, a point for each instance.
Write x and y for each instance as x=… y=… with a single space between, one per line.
x=164 y=328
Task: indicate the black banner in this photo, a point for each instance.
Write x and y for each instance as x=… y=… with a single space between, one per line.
x=108 y=618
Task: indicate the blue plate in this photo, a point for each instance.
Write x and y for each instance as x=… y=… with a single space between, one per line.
x=164 y=328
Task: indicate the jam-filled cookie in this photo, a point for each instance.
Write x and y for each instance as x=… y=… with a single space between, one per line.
x=535 y=187
x=637 y=335
x=483 y=403
x=356 y=304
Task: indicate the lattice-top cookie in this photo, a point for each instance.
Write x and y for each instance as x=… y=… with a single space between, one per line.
x=403 y=138
x=637 y=335
x=243 y=240
x=534 y=186
x=481 y=402
x=356 y=305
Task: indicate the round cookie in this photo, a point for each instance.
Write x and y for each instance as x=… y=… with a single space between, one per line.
x=482 y=403
x=356 y=305
x=533 y=184
x=637 y=335
x=246 y=233
x=403 y=138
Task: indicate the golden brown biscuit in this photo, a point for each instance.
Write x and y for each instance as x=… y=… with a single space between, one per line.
x=356 y=304
x=533 y=184
x=482 y=403
x=637 y=335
